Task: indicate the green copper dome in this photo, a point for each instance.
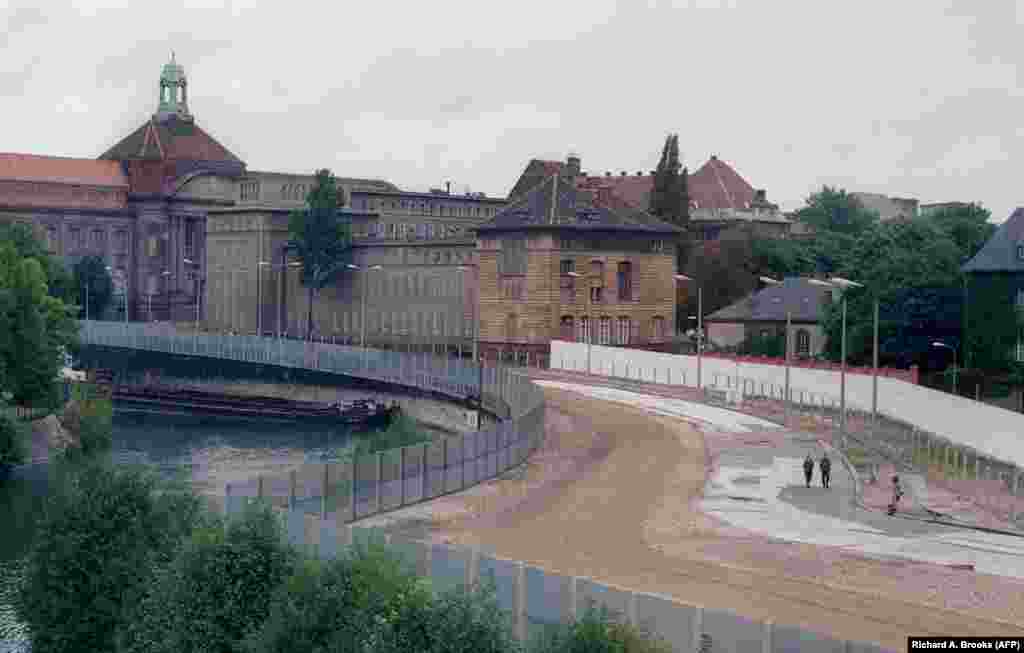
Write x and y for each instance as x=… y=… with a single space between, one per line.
x=173 y=91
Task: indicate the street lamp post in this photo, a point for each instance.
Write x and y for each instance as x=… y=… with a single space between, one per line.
x=475 y=331
x=789 y=324
x=587 y=332
x=362 y=306
x=700 y=324
x=842 y=284
x=955 y=366
x=280 y=296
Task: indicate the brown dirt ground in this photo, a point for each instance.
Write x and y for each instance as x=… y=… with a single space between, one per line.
x=592 y=503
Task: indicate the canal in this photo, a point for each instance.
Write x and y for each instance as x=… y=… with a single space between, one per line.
x=213 y=450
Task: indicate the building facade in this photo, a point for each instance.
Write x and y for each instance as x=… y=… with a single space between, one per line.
x=565 y=263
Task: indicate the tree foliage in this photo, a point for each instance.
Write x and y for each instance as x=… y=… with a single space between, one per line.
x=13 y=438
x=320 y=238
x=968 y=226
x=103 y=530
x=837 y=211
x=94 y=284
x=35 y=326
x=670 y=196
x=216 y=590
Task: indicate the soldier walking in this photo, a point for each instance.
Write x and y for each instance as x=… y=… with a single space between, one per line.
x=826 y=471
x=808 y=469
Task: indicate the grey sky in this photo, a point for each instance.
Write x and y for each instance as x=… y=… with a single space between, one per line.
x=915 y=98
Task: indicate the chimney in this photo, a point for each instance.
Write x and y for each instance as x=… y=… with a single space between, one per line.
x=714 y=157
x=639 y=173
x=760 y=195
x=572 y=166
x=607 y=173
x=623 y=173
x=448 y=187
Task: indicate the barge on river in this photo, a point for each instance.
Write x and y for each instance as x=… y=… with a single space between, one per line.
x=360 y=412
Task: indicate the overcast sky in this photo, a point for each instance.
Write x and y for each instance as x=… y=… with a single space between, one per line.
x=911 y=98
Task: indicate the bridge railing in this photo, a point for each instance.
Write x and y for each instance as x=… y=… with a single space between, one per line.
x=370 y=484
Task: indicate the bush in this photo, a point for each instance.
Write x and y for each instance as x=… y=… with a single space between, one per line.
x=216 y=590
x=338 y=605
x=598 y=632
x=13 y=436
x=401 y=432
x=90 y=420
x=101 y=534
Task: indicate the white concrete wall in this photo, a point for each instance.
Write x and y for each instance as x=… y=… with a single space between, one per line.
x=991 y=431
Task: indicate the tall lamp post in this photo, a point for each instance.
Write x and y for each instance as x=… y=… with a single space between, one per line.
x=362 y=305
x=789 y=324
x=475 y=315
x=195 y=334
x=588 y=331
x=700 y=324
x=280 y=294
x=843 y=285
x=955 y=367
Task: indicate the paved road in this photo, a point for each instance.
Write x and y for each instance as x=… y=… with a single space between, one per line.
x=761 y=489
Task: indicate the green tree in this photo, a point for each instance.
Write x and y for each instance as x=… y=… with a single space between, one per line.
x=24 y=238
x=967 y=225
x=94 y=284
x=320 y=238
x=890 y=259
x=102 y=533
x=836 y=210
x=13 y=438
x=773 y=345
x=216 y=590
x=670 y=195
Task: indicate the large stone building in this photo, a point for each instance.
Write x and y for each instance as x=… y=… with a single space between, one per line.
x=561 y=262
x=190 y=233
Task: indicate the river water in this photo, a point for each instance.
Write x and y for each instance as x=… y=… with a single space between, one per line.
x=215 y=450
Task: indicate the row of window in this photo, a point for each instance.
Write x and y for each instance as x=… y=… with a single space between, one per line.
x=424 y=207
x=394 y=323
x=656 y=246
x=623 y=276
x=414 y=284
x=608 y=331
x=97 y=239
x=410 y=230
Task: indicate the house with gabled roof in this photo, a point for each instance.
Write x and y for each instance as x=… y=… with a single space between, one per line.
x=763 y=313
x=1002 y=259
x=563 y=262
x=719 y=197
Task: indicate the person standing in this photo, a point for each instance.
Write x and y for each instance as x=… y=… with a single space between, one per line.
x=826 y=471
x=897 y=494
x=808 y=469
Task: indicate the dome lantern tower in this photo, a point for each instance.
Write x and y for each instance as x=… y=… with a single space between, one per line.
x=173 y=92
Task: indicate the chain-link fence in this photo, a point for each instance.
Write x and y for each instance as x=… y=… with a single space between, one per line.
x=368 y=484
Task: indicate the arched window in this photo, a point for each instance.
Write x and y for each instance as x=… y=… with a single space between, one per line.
x=566 y=331
x=658 y=328
x=605 y=332
x=623 y=331
x=803 y=342
x=511 y=327
x=583 y=330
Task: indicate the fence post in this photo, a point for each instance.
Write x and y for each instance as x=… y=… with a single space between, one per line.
x=401 y=474
x=323 y=496
x=354 y=486
x=380 y=478
x=444 y=465
x=423 y=471
x=259 y=487
x=291 y=490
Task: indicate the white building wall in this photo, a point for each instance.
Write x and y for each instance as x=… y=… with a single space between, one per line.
x=993 y=432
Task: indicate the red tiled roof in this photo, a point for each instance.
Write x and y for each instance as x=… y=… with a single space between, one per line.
x=63 y=170
x=634 y=190
x=717 y=186
x=170 y=139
